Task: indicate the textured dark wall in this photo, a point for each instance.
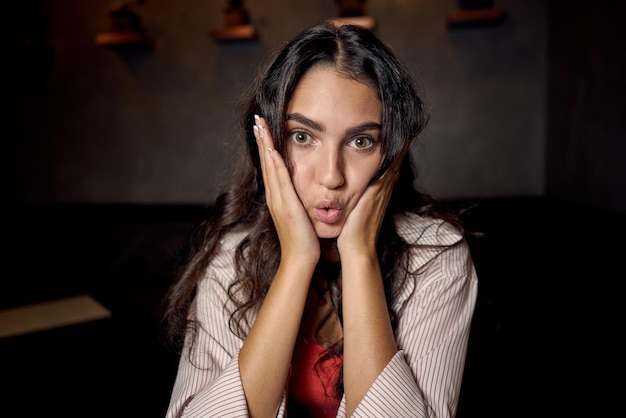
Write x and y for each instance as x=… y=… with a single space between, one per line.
x=92 y=125
x=587 y=123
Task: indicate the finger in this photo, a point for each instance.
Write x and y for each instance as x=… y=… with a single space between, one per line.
x=266 y=145
x=266 y=137
x=395 y=166
x=275 y=173
x=279 y=164
x=259 y=135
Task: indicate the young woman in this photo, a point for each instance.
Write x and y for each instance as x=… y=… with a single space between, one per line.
x=324 y=284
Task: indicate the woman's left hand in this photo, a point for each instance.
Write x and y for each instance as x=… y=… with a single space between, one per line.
x=362 y=226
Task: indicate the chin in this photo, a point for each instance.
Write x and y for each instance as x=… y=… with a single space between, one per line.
x=325 y=231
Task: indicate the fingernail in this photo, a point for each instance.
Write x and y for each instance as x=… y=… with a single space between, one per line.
x=257 y=119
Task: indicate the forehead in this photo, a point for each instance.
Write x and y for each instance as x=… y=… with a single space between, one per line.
x=326 y=93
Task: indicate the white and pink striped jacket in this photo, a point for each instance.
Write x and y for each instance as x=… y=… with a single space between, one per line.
x=423 y=379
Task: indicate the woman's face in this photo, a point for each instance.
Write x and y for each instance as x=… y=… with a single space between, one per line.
x=333 y=128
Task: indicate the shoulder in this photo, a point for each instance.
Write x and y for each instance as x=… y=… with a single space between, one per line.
x=427 y=238
x=425 y=231
x=220 y=272
x=436 y=253
x=222 y=268
x=224 y=255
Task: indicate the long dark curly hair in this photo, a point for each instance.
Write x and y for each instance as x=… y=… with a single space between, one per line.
x=356 y=53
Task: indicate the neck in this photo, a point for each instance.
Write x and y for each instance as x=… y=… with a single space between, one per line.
x=328 y=267
x=329 y=252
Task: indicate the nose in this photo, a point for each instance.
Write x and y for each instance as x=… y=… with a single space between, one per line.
x=330 y=169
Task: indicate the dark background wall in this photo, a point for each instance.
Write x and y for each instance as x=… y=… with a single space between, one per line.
x=92 y=125
x=586 y=148
x=529 y=107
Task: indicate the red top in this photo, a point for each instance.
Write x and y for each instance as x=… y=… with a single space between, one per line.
x=307 y=395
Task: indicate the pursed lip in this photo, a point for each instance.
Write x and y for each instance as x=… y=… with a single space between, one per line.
x=328 y=204
x=328 y=211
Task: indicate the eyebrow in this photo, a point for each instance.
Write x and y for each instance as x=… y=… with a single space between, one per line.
x=316 y=126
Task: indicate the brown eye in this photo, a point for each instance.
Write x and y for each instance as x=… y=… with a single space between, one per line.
x=301 y=138
x=362 y=142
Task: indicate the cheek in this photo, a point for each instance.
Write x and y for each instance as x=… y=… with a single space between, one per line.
x=301 y=178
x=362 y=172
x=358 y=182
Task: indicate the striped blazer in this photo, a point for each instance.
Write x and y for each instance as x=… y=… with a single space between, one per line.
x=423 y=379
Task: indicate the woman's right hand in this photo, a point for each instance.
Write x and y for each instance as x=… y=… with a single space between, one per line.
x=297 y=236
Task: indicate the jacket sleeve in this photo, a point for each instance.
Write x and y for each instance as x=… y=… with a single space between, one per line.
x=424 y=378
x=208 y=383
